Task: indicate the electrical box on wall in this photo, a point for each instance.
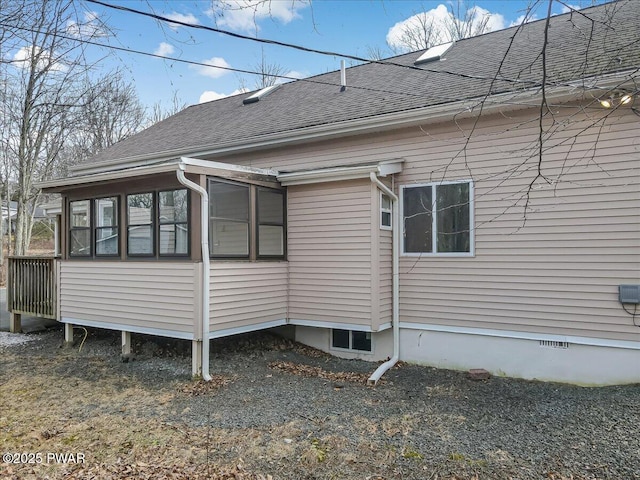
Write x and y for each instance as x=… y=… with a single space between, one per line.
x=629 y=293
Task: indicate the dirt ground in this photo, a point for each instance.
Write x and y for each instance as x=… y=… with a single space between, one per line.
x=278 y=410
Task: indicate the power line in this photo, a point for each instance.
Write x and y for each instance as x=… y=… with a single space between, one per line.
x=300 y=47
x=193 y=62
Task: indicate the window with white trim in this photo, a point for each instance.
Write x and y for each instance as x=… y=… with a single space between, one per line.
x=385 y=212
x=351 y=340
x=437 y=218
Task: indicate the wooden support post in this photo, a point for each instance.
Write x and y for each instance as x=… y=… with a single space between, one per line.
x=126 y=346
x=68 y=335
x=196 y=358
x=15 y=322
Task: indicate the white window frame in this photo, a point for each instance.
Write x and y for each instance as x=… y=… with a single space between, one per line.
x=386 y=210
x=350 y=349
x=434 y=236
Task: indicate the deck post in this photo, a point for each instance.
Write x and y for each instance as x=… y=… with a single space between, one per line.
x=15 y=322
x=68 y=335
x=126 y=346
x=196 y=358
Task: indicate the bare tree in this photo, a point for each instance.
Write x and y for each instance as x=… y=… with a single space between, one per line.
x=159 y=111
x=45 y=74
x=423 y=31
x=269 y=73
x=111 y=112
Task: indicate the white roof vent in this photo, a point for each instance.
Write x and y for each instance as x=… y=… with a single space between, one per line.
x=434 y=53
x=259 y=94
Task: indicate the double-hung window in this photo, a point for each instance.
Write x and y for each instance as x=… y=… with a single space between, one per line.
x=80 y=228
x=140 y=225
x=270 y=222
x=173 y=222
x=246 y=221
x=106 y=226
x=158 y=223
x=93 y=228
x=228 y=219
x=437 y=218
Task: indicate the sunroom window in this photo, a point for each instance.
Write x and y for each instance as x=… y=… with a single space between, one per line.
x=270 y=222
x=228 y=219
x=140 y=225
x=80 y=228
x=173 y=220
x=246 y=221
x=437 y=218
x=106 y=226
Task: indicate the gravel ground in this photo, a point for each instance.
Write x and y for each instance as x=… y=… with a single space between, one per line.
x=420 y=423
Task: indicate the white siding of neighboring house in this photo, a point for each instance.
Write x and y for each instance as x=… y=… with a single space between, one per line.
x=148 y=297
x=247 y=295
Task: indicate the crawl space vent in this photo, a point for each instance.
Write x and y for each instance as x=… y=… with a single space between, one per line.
x=554 y=344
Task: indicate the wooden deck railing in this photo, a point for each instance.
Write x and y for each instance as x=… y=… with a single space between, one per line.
x=31 y=286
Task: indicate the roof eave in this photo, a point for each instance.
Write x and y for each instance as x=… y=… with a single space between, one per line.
x=502 y=102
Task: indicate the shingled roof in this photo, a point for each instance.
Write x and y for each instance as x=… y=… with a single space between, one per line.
x=582 y=45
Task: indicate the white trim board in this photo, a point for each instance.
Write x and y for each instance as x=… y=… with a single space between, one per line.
x=128 y=328
x=597 y=342
x=247 y=328
x=338 y=325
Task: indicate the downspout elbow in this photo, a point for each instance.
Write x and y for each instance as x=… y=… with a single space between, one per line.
x=206 y=266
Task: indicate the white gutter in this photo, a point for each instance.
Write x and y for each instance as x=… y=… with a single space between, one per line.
x=395 y=255
x=334 y=174
x=206 y=265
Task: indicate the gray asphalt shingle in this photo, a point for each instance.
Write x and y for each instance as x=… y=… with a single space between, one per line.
x=585 y=44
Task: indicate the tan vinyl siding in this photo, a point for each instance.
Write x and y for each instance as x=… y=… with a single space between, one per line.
x=150 y=295
x=329 y=251
x=558 y=273
x=247 y=293
x=385 y=294
x=555 y=270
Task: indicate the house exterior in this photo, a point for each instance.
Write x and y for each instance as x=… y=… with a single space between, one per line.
x=423 y=211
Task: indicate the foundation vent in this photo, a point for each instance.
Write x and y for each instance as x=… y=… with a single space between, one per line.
x=554 y=344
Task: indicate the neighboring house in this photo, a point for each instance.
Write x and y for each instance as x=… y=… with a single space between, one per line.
x=12 y=212
x=509 y=253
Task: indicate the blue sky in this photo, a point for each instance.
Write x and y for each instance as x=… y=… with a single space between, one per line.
x=346 y=26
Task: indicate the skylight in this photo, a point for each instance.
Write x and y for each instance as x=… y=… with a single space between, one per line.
x=434 y=53
x=259 y=94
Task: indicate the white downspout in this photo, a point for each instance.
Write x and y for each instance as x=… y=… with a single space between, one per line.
x=206 y=265
x=395 y=254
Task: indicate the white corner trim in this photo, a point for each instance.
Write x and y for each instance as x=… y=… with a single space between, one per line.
x=128 y=328
x=597 y=342
x=247 y=328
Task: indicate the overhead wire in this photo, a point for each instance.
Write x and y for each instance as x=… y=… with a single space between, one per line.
x=301 y=47
x=193 y=62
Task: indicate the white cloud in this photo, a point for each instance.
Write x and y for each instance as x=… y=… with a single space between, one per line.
x=523 y=19
x=91 y=27
x=23 y=57
x=164 y=49
x=244 y=15
x=180 y=17
x=209 y=95
x=437 y=22
x=212 y=71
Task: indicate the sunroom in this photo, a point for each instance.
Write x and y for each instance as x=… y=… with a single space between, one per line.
x=195 y=250
x=159 y=248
